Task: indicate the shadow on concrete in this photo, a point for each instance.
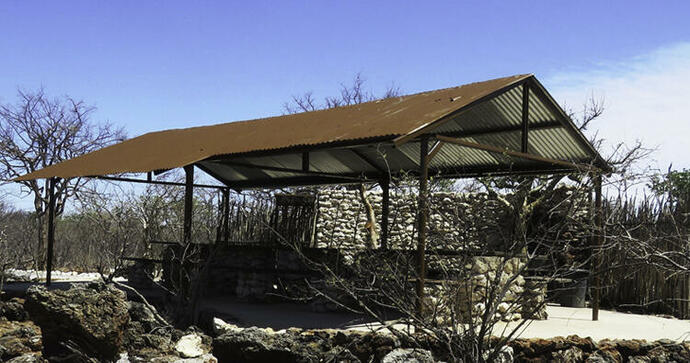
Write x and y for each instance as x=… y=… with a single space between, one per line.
x=278 y=315
x=245 y=314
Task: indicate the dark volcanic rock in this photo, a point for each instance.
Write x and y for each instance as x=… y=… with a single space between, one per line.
x=19 y=339
x=139 y=343
x=252 y=345
x=92 y=318
x=555 y=349
x=401 y=355
x=576 y=349
x=373 y=346
x=667 y=351
x=139 y=312
x=144 y=337
x=294 y=345
x=572 y=354
x=13 y=310
x=28 y=358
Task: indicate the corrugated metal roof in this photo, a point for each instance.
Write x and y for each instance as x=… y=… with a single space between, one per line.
x=352 y=140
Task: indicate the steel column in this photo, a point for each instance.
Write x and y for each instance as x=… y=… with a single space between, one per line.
x=599 y=238
x=305 y=161
x=51 y=228
x=421 y=222
x=188 y=200
x=226 y=214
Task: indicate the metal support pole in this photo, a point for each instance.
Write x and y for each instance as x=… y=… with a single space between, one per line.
x=188 y=200
x=421 y=223
x=51 y=228
x=305 y=161
x=385 y=211
x=598 y=238
x=525 y=117
x=226 y=215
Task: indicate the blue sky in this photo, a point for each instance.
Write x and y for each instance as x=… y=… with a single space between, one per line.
x=150 y=65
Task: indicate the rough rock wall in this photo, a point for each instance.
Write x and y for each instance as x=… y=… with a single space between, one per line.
x=456 y=220
x=488 y=282
x=460 y=222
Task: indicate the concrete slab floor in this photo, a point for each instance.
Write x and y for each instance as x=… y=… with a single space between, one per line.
x=562 y=321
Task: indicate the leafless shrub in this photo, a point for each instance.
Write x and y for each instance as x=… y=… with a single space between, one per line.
x=39 y=131
x=349 y=95
x=465 y=302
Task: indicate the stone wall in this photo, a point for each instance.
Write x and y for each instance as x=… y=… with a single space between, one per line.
x=456 y=220
x=237 y=344
x=488 y=282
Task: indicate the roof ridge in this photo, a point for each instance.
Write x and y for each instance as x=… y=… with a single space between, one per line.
x=516 y=76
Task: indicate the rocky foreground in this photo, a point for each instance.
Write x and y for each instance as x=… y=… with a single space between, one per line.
x=96 y=323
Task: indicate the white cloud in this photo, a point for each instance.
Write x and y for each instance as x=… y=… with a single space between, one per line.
x=646 y=97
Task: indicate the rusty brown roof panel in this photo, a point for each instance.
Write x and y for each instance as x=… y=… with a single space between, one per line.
x=394 y=117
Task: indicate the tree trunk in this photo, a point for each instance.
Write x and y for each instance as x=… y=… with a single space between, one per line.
x=371 y=219
x=41 y=255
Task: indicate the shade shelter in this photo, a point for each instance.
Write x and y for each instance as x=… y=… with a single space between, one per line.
x=505 y=126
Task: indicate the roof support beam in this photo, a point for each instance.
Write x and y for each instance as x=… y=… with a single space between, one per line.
x=160 y=171
x=434 y=150
x=212 y=173
x=516 y=154
x=367 y=160
x=285 y=170
x=500 y=130
x=484 y=171
x=157 y=182
x=470 y=172
x=296 y=181
x=307 y=148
